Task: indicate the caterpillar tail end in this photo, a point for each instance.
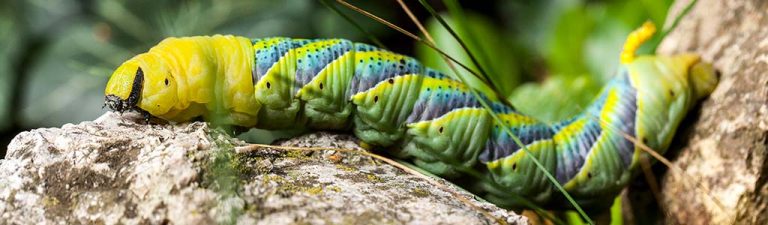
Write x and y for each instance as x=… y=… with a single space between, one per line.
x=635 y=40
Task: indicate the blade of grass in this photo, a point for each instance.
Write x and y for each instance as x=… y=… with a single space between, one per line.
x=687 y=180
x=355 y=24
x=507 y=129
x=653 y=153
x=677 y=169
x=617 y=217
x=483 y=76
x=645 y=165
x=406 y=168
x=409 y=34
x=674 y=24
x=463 y=45
x=455 y=10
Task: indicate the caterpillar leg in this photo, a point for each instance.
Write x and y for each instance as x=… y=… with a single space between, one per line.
x=273 y=76
x=384 y=89
x=515 y=175
x=453 y=140
x=324 y=70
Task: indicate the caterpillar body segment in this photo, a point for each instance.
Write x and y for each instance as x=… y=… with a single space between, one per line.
x=602 y=156
x=391 y=100
x=444 y=126
x=322 y=86
x=509 y=165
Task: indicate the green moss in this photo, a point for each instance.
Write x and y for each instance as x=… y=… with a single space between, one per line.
x=294 y=174
x=296 y=154
x=247 y=165
x=418 y=192
x=49 y=201
x=345 y=168
x=288 y=186
x=223 y=170
x=374 y=178
x=315 y=190
x=268 y=178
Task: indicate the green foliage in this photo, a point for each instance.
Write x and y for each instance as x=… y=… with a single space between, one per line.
x=588 y=37
x=617 y=217
x=267 y=136
x=62 y=87
x=556 y=98
x=493 y=84
x=493 y=52
x=8 y=50
x=581 y=50
x=565 y=51
x=577 y=42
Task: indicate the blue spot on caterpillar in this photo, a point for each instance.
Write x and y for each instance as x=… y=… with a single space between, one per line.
x=391 y=100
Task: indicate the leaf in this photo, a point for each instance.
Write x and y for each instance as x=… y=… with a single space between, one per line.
x=8 y=51
x=492 y=51
x=557 y=98
x=565 y=53
x=59 y=92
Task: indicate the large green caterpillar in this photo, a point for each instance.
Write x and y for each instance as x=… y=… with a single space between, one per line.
x=390 y=100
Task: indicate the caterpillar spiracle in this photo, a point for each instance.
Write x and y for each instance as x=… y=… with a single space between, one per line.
x=391 y=100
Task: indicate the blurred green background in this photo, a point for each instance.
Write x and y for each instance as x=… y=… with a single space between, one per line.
x=549 y=56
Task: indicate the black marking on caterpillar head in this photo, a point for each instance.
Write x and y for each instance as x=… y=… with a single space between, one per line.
x=116 y=104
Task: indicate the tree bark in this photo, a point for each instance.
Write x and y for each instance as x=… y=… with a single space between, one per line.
x=723 y=150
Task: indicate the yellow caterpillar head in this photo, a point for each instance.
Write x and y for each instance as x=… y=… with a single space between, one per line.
x=143 y=83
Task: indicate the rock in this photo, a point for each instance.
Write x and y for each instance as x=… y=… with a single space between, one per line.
x=724 y=149
x=117 y=170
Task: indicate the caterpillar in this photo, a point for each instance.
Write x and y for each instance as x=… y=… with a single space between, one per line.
x=391 y=100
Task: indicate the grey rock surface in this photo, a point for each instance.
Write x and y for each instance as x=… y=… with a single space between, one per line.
x=118 y=170
x=725 y=148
